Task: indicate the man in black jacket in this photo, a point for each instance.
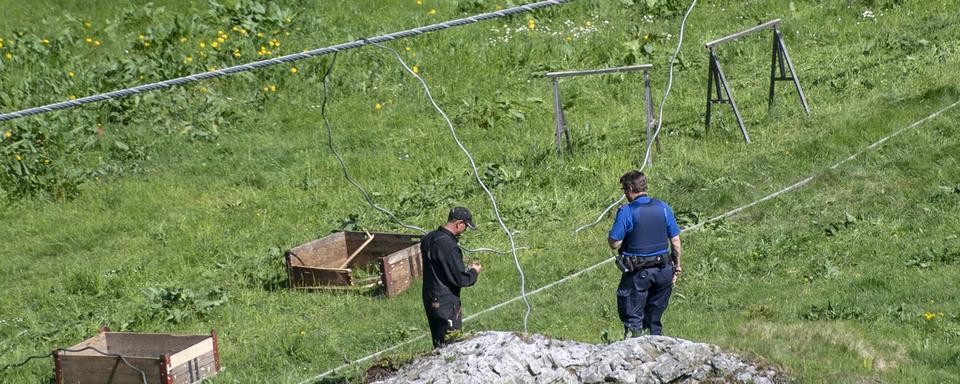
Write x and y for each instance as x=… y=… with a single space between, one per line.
x=444 y=274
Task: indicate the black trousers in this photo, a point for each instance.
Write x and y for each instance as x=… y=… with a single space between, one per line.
x=443 y=315
x=643 y=296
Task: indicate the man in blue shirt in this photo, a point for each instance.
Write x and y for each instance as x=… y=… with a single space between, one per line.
x=643 y=234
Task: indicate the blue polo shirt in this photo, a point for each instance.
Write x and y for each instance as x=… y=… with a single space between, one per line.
x=624 y=222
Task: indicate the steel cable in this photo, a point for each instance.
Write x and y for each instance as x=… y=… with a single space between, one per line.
x=279 y=60
x=663 y=101
x=476 y=174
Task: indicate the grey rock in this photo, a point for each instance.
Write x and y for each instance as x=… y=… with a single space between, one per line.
x=499 y=357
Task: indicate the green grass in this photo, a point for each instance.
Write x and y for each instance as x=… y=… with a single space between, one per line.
x=829 y=282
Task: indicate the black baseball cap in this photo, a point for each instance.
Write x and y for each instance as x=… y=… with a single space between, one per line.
x=462 y=213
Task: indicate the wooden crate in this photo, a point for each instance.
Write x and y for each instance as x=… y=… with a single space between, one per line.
x=164 y=358
x=319 y=263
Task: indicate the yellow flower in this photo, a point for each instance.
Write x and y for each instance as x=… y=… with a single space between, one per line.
x=568 y=39
x=46 y=161
x=8 y=56
x=142 y=37
x=88 y=40
x=646 y=37
x=44 y=41
x=236 y=53
x=929 y=315
x=259 y=34
x=432 y=12
x=188 y=59
x=202 y=45
x=87 y=24
x=589 y=23
x=940 y=314
x=146 y=44
x=288 y=19
x=416 y=69
x=7 y=134
x=302 y=333
x=265 y=89
x=408 y=49
x=419 y=2
x=377 y=106
x=235 y=28
x=97 y=43
x=287 y=34
x=273 y=88
x=294 y=70
x=1 y=43
x=19 y=158
x=243 y=31
x=213 y=69
x=214 y=44
x=70 y=74
x=203 y=89
x=220 y=39
x=72 y=97
x=183 y=39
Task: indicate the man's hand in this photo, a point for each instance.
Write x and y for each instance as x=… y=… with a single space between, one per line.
x=676 y=273
x=475 y=266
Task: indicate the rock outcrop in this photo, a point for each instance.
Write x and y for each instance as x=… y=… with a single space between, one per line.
x=500 y=357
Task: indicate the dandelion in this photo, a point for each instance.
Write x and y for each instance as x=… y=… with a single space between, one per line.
x=88 y=40
x=302 y=333
x=46 y=161
x=589 y=23
x=142 y=36
x=286 y=34
x=273 y=88
x=203 y=89
x=8 y=56
x=265 y=89
x=377 y=106
x=97 y=43
x=183 y=39
x=146 y=44
x=294 y=70
x=1 y=43
x=72 y=97
x=532 y=24
x=71 y=74
x=243 y=31
x=188 y=59
x=221 y=40
x=419 y=2
x=235 y=28
x=408 y=49
x=214 y=44
x=87 y=24
x=19 y=158
x=44 y=41
x=416 y=69
x=202 y=45
x=259 y=34
x=7 y=134
x=212 y=69
x=288 y=19
x=236 y=53
x=929 y=315
x=433 y=12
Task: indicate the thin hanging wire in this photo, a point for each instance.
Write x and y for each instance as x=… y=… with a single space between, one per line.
x=476 y=174
x=663 y=101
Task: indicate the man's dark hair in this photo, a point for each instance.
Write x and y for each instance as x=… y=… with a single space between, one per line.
x=633 y=182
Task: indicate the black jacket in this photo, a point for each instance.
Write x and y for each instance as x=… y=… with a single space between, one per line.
x=443 y=270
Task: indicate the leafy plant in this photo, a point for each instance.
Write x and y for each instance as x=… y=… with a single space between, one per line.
x=176 y=305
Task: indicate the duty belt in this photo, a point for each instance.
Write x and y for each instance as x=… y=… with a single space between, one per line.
x=633 y=263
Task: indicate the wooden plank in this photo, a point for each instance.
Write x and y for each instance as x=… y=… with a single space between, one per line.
x=312 y=277
x=745 y=32
x=149 y=344
x=195 y=370
x=401 y=269
x=357 y=251
x=108 y=370
x=190 y=353
x=329 y=251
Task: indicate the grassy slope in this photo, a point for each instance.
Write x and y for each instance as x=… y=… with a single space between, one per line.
x=205 y=215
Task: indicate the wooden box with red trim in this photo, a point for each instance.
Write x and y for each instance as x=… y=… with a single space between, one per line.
x=163 y=358
x=356 y=260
